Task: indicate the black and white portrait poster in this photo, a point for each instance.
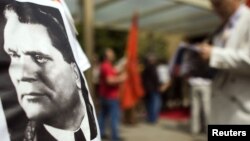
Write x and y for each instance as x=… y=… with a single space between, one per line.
x=43 y=92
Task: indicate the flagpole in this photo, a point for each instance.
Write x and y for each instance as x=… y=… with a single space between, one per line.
x=88 y=38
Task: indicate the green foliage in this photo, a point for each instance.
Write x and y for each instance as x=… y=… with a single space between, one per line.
x=105 y=38
x=153 y=44
x=117 y=40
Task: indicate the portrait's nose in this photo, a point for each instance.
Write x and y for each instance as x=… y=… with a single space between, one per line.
x=29 y=70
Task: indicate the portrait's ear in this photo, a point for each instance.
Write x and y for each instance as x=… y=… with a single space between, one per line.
x=76 y=75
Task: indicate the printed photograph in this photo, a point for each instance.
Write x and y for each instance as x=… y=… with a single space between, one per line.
x=48 y=84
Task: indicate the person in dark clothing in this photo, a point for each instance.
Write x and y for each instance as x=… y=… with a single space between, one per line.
x=151 y=86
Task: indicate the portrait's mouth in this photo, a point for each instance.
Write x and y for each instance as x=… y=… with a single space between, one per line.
x=32 y=96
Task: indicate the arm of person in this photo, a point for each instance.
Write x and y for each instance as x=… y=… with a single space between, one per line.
x=110 y=77
x=120 y=66
x=236 y=59
x=114 y=80
x=165 y=86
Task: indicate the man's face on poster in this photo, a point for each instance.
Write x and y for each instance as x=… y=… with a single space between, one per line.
x=45 y=83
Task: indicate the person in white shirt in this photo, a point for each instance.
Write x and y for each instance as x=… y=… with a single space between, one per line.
x=49 y=85
x=165 y=82
x=230 y=55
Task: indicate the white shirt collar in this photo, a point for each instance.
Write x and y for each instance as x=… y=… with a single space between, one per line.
x=66 y=135
x=221 y=39
x=234 y=18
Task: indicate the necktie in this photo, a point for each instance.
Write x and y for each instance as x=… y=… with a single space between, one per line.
x=79 y=136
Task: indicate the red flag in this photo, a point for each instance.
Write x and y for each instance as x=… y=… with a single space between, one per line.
x=132 y=89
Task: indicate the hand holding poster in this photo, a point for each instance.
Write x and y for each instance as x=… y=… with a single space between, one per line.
x=187 y=62
x=178 y=58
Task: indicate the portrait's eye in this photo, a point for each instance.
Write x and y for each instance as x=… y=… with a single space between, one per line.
x=13 y=54
x=41 y=59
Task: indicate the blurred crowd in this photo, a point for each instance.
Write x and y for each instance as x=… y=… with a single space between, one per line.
x=162 y=91
x=109 y=78
x=209 y=77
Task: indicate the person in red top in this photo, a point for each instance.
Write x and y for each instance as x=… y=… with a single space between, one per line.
x=110 y=78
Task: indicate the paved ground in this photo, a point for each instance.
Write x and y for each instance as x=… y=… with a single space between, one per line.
x=164 y=130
